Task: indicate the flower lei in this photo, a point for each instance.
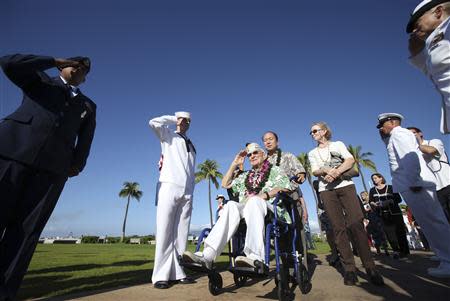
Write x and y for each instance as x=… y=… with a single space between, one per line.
x=255 y=180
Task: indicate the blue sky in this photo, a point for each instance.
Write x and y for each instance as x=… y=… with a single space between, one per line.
x=240 y=68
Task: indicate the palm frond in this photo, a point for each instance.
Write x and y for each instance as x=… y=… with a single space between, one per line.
x=215 y=182
x=131 y=189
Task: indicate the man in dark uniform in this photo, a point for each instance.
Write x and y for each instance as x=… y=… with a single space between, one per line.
x=45 y=141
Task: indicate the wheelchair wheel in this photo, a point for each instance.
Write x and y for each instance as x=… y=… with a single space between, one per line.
x=282 y=285
x=305 y=282
x=239 y=280
x=215 y=283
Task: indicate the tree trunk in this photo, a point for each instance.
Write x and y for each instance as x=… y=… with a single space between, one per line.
x=125 y=221
x=362 y=178
x=210 y=205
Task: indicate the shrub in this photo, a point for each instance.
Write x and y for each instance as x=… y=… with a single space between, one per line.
x=89 y=239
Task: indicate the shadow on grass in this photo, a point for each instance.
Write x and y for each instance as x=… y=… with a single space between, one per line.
x=39 y=285
x=84 y=267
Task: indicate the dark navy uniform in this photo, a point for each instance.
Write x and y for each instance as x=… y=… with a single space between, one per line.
x=49 y=135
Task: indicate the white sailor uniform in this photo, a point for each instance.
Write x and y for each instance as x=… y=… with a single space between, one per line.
x=434 y=61
x=409 y=169
x=174 y=199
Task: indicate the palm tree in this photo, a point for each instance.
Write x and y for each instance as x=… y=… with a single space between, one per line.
x=209 y=170
x=303 y=158
x=129 y=190
x=361 y=159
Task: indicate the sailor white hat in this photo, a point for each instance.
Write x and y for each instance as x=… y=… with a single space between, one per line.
x=182 y=114
x=388 y=116
x=220 y=196
x=420 y=10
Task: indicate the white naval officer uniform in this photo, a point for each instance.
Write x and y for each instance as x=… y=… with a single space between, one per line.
x=409 y=169
x=174 y=199
x=434 y=61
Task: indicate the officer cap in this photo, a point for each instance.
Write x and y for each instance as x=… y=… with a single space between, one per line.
x=382 y=118
x=420 y=10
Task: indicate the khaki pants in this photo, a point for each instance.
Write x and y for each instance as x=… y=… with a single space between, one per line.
x=343 y=210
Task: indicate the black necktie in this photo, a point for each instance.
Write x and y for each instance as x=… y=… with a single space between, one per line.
x=72 y=90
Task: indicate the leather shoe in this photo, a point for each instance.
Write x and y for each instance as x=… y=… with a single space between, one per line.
x=350 y=278
x=161 y=284
x=375 y=277
x=187 y=280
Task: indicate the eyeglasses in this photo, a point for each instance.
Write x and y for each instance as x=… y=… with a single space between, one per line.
x=314 y=131
x=250 y=154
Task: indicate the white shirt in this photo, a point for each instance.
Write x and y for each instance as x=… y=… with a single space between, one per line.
x=434 y=61
x=408 y=168
x=178 y=165
x=319 y=157
x=73 y=89
x=437 y=163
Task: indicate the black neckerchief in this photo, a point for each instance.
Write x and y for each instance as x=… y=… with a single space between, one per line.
x=189 y=144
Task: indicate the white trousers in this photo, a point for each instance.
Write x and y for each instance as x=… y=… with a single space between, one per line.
x=173 y=217
x=253 y=211
x=429 y=215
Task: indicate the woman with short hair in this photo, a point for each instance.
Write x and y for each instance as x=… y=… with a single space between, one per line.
x=329 y=161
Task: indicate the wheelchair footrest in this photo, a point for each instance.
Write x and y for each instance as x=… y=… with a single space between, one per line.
x=193 y=266
x=260 y=270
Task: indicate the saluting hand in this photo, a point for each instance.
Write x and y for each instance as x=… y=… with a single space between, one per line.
x=63 y=63
x=240 y=158
x=415 y=44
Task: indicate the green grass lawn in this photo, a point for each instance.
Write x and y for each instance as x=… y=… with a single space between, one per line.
x=67 y=269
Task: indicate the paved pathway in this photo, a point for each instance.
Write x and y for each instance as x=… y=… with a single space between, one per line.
x=405 y=281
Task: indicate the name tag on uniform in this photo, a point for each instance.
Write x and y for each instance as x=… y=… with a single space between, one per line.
x=83 y=114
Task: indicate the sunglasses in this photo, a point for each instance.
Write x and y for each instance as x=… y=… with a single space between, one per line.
x=314 y=131
x=250 y=154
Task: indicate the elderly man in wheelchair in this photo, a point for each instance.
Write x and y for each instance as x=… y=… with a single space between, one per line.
x=257 y=189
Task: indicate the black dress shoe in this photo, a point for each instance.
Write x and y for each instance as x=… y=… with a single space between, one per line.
x=187 y=280
x=350 y=278
x=375 y=277
x=161 y=284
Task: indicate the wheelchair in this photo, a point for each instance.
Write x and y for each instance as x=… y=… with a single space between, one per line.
x=288 y=242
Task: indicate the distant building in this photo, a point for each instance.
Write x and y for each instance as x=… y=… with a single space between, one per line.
x=60 y=240
x=135 y=241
